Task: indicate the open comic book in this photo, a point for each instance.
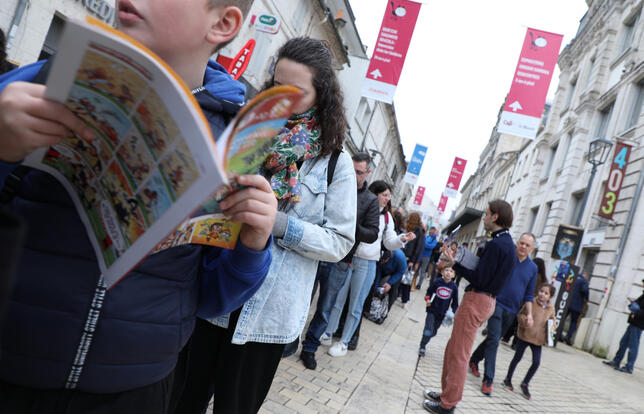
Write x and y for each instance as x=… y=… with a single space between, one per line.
x=153 y=163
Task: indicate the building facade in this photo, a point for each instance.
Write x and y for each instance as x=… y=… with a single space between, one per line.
x=599 y=96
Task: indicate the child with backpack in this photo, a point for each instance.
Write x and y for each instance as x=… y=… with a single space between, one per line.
x=440 y=294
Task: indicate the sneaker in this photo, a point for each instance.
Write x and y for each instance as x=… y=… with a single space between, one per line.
x=486 y=388
x=525 y=391
x=326 y=339
x=508 y=384
x=338 y=349
x=432 y=395
x=435 y=407
x=421 y=351
x=474 y=369
x=308 y=359
x=611 y=363
x=625 y=370
x=406 y=306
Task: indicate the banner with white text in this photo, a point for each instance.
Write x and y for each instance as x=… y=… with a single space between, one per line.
x=416 y=163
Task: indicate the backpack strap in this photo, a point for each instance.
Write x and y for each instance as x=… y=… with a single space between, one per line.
x=331 y=168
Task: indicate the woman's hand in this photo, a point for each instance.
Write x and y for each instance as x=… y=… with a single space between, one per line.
x=408 y=237
x=255 y=207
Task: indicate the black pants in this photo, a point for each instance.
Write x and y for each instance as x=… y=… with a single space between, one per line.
x=240 y=375
x=151 y=399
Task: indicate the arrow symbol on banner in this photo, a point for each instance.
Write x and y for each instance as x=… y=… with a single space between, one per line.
x=515 y=106
x=376 y=74
x=450 y=185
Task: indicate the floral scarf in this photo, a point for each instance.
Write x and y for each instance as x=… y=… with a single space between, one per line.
x=299 y=140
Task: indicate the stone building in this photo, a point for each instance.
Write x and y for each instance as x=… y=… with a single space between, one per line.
x=599 y=96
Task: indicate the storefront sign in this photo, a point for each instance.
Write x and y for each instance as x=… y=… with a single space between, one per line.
x=567 y=243
x=266 y=23
x=524 y=104
x=101 y=8
x=416 y=163
x=391 y=48
x=420 y=193
x=455 y=176
x=240 y=62
x=615 y=180
x=564 y=294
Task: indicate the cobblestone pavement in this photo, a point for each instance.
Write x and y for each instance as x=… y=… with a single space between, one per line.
x=384 y=375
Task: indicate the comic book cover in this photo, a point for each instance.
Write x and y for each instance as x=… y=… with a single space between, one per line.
x=153 y=161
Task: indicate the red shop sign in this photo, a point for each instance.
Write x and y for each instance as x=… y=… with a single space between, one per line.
x=240 y=62
x=615 y=180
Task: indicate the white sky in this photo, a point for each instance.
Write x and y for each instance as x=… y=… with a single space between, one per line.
x=458 y=70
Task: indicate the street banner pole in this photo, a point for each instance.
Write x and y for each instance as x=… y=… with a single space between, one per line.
x=391 y=48
x=524 y=104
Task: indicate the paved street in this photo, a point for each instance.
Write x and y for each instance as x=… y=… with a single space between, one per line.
x=385 y=376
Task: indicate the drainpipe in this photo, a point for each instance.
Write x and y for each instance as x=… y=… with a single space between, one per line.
x=618 y=258
x=15 y=22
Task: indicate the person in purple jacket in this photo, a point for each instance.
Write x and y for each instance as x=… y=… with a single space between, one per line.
x=442 y=293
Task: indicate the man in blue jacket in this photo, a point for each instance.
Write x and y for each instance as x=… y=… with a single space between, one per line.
x=517 y=291
x=426 y=265
x=577 y=301
x=68 y=344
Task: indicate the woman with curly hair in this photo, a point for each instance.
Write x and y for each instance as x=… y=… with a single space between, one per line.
x=237 y=354
x=413 y=251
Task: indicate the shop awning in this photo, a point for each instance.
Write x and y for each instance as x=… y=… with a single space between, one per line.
x=467 y=216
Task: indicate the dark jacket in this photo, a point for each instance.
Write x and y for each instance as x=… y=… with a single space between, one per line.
x=414 y=248
x=637 y=319
x=65 y=330
x=579 y=294
x=495 y=266
x=367 y=220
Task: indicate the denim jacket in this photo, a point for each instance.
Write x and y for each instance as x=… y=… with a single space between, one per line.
x=320 y=227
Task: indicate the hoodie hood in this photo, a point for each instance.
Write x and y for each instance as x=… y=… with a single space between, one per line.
x=220 y=93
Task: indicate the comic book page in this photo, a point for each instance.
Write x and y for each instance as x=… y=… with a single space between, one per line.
x=153 y=161
x=246 y=148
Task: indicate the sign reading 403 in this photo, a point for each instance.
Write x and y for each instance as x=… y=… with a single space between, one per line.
x=615 y=180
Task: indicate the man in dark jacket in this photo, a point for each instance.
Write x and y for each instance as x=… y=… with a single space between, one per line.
x=577 y=301
x=367 y=222
x=631 y=338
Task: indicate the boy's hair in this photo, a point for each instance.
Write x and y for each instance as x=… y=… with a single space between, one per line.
x=446 y=266
x=550 y=288
x=317 y=56
x=243 y=5
x=504 y=211
x=362 y=157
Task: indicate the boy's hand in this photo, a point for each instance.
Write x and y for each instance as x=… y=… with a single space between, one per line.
x=255 y=207
x=28 y=121
x=428 y=301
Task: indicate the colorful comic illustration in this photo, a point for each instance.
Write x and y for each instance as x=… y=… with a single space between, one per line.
x=154 y=198
x=124 y=204
x=216 y=230
x=179 y=169
x=157 y=126
x=106 y=74
x=248 y=149
x=99 y=112
x=136 y=159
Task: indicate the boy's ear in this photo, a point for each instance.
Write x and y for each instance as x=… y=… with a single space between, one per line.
x=226 y=24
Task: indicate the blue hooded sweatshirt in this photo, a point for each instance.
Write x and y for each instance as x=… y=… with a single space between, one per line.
x=64 y=330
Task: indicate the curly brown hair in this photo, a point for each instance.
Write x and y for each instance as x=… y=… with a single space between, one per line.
x=329 y=97
x=413 y=221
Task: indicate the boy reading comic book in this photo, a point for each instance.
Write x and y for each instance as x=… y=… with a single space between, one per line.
x=68 y=345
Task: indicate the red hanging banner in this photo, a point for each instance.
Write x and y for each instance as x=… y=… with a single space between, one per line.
x=391 y=48
x=455 y=176
x=524 y=104
x=420 y=193
x=442 y=204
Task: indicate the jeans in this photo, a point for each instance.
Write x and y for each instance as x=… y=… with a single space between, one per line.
x=363 y=272
x=518 y=354
x=574 y=317
x=432 y=323
x=332 y=276
x=497 y=325
x=630 y=341
x=423 y=267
